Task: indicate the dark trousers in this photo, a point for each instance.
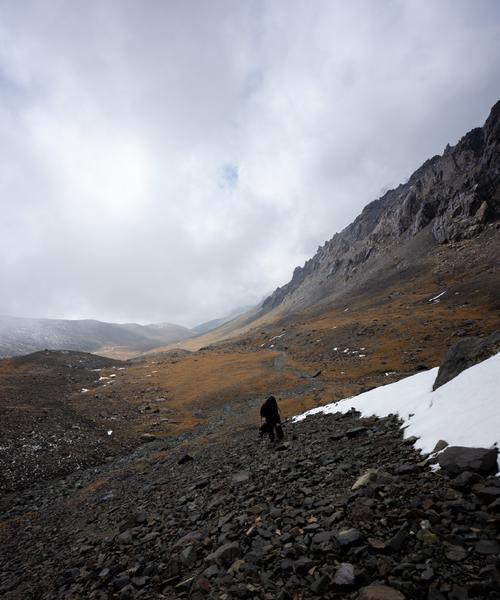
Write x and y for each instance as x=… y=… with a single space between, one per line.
x=271 y=426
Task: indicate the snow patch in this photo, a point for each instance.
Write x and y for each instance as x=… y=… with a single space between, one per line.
x=464 y=412
x=437 y=297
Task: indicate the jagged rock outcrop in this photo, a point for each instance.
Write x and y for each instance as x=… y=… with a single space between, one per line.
x=455 y=195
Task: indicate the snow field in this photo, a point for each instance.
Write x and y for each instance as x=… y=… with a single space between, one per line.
x=464 y=412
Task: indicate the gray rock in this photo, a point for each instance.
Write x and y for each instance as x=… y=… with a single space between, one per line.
x=465 y=354
x=124 y=538
x=440 y=445
x=188 y=556
x=372 y=477
x=465 y=480
x=348 y=537
x=226 y=553
x=241 y=476
x=322 y=537
x=457 y=459
x=344 y=575
x=455 y=553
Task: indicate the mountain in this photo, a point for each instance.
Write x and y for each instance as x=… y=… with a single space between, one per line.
x=215 y=323
x=23 y=335
x=449 y=198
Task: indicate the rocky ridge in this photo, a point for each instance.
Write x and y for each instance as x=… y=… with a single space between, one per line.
x=453 y=196
x=345 y=508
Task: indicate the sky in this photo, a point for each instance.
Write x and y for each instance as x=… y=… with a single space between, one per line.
x=171 y=161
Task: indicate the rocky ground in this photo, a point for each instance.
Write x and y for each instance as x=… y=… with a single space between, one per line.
x=236 y=517
x=44 y=433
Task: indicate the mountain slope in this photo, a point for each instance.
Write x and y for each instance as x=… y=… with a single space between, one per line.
x=449 y=198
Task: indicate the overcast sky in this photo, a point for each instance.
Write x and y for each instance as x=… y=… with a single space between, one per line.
x=172 y=160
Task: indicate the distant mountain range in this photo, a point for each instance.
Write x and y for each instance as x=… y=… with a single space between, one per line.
x=19 y=335
x=23 y=335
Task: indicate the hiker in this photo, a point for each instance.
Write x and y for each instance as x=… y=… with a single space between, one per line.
x=269 y=411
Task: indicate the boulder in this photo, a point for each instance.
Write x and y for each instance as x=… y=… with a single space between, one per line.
x=457 y=459
x=465 y=354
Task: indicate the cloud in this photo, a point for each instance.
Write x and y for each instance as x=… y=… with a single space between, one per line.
x=171 y=161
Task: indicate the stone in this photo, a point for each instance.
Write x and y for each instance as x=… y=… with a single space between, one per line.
x=397 y=541
x=348 y=537
x=440 y=445
x=465 y=354
x=344 y=575
x=322 y=537
x=124 y=538
x=457 y=459
x=241 y=476
x=188 y=556
x=407 y=469
x=455 y=553
x=380 y=592
x=487 y=547
x=488 y=492
x=372 y=477
x=410 y=441
x=201 y=483
x=185 y=459
x=303 y=564
x=465 y=480
x=427 y=537
x=355 y=432
x=190 y=538
x=227 y=553
x=495 y=506
x=321 y=585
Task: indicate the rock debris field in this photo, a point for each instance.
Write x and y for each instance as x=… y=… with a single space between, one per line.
x=240 y=518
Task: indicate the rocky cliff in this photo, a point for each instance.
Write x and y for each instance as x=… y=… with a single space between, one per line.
x=453 y=196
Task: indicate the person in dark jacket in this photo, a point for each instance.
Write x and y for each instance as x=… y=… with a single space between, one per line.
x=269 y=411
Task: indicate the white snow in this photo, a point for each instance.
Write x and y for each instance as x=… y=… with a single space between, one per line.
x=277 y=337
x=437 y=297
x=84 y=390
x=110 y=431
x=464 y=412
